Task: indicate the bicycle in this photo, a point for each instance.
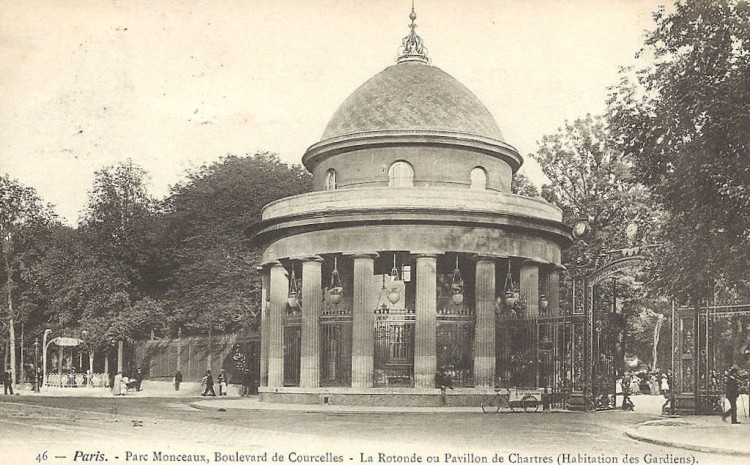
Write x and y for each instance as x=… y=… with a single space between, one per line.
x=492 y=403
x=708 y=405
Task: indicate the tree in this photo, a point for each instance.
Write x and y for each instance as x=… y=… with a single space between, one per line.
x=24 y=220
x=213 y=281
x=590 y=179
x=119 y=219
x=522 y=185
x=117 y=261
x=682 y=115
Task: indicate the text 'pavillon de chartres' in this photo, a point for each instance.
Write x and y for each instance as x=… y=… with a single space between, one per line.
x=410 y=255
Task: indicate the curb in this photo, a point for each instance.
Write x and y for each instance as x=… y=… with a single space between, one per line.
x=391 y=411
x=679 y=445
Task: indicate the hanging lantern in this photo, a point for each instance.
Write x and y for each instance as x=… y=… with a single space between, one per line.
x=393 y=294
x=510 y=297
x=394 y=270
x=457 y=286
x=543 y=302
x=336 y=290
x=293 y=299
x=381 y=309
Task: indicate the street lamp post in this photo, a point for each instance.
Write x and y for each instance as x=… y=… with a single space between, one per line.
x=44 y=356
x=36 y=365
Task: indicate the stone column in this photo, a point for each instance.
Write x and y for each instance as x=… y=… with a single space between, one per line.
x=279 y=288
x=311 y=306
x=484 y=330
x=264 y=329
x=120 y=351
x=363 y=321
x=529 y=286
x=425 y=358
x=554 y=291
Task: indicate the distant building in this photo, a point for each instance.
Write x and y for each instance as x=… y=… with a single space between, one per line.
x=398 y=263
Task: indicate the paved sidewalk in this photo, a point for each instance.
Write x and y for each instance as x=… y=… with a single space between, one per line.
x=697 y=433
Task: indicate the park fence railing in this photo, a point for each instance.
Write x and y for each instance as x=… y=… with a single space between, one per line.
x=77 y=380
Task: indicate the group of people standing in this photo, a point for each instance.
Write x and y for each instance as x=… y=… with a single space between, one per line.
x=208 y=383
x=121 y=384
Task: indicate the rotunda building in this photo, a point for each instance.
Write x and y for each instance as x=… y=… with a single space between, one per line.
x=411 y=256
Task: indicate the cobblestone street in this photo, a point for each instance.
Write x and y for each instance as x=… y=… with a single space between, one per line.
x=114 y=427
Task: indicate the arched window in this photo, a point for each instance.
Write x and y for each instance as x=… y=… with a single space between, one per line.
x=478 y=178
x=331 y=180
x=401 y=174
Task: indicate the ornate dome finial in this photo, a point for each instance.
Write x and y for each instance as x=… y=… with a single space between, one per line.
x=412 y=47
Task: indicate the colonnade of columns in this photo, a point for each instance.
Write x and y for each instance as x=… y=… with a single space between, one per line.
x=275 y=286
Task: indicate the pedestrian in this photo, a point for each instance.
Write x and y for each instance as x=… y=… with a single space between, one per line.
x=246 y=383
x=138 y=379
x=665 y=385
x=223 y=384
x=177 y=380
x=8 y=381
x=124 y=385
x=116 y=384
x=634 y=385
x=731 y=389
x=443 y=381
x=627 y=404
x=209 y=381
x=39 y=379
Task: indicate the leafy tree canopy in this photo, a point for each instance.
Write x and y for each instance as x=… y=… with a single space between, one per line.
x=522 y=185
x=682 y=117
x=213 y=283
x=590 y=179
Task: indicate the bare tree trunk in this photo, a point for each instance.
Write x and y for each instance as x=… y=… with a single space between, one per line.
x=11 y=322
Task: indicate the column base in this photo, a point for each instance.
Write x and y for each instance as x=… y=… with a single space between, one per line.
x=374 y=397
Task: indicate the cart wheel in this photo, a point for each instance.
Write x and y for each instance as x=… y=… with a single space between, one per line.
x=490 y=404
x=530 y=403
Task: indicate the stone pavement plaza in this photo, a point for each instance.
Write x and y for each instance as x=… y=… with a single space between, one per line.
x=705 y=434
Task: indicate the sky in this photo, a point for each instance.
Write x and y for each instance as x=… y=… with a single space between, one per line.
x=172 y=85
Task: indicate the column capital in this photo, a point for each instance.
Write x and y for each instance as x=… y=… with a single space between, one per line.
x=426 y=255
x=310 y=258
x=488 y=257
x=270 y=264
x=355 y=255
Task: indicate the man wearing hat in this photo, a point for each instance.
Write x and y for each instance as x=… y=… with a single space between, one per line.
x=731 y=389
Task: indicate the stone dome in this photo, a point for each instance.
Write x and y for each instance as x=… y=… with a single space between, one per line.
x=412 y=96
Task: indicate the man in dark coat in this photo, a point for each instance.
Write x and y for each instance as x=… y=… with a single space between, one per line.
x=177 y=380
x=209 y=385
x=443 y=381
x=138 y=379
x=247 y=381
x=731 y=389
x=8 y=381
